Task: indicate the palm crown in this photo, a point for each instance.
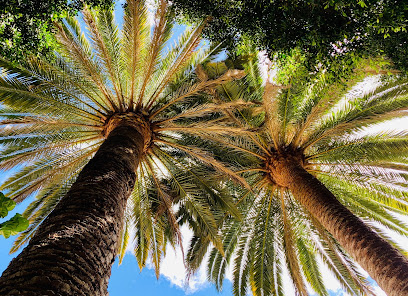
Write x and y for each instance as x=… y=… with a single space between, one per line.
x=319 y=127
x=55 y=115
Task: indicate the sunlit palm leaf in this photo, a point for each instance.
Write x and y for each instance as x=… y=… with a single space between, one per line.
x=55 y=114
x=336 y=134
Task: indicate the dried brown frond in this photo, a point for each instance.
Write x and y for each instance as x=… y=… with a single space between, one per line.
x=205 y=109
x=201 y=74
x=270 y=105
x=206 y=158
x=201 y=86
x=231 y=74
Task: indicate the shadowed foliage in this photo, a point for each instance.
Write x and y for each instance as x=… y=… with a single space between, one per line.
x=27 y=26
x=322 y=29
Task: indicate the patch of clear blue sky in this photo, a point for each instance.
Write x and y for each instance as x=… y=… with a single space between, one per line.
x=126 y=279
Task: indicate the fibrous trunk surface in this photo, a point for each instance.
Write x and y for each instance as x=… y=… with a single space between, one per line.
x=73 y=250
x=385 y=264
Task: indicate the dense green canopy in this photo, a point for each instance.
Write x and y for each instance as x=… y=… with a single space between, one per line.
x=26 y=25
x=320 y=27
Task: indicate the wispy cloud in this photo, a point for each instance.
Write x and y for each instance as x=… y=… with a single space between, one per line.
x=173 y=268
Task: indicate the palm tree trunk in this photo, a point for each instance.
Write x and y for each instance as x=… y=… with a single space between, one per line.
x=385 y=264
x=73 y=250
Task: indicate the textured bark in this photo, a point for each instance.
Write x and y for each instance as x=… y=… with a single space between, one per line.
x=385 y=264
x=73 y=250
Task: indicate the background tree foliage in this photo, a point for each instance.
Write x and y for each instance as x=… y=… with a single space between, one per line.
x=26 y=25
x=322 y=28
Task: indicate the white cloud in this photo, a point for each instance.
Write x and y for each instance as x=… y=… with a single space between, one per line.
x=173 y=269
x=265 y=67
x=378 y=291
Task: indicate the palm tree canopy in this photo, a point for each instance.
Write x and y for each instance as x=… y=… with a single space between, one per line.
x=334 y=133
x=55 y=115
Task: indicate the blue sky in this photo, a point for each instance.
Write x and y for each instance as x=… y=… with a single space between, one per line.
x=127 y=280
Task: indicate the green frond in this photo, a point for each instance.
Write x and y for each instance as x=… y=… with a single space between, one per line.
x=78 y=51
x=206 y=109
x=195 y=181
x=289 y=240
x=52 y=76
x=310 y=267
x=217 y=263
x=206 y=158
x=104 y=35
x=188 y=91
x=25 y=150
x=124 y=241
x=366 y=205
x=241 y=270
x=387 y=98
x=338 y=263
x=46 y=172
x=141 y=218
x=136 y=35
x=21 y=96
x=320 y=96
x=261 y=272
x=176 y=60
x=363 y=149
x=160 y=36
x=166 y=199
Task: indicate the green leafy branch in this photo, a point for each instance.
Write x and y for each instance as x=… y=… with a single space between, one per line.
x=16 y=224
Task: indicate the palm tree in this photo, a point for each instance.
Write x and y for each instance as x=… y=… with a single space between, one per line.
x=325 y=185
x=94 y=136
